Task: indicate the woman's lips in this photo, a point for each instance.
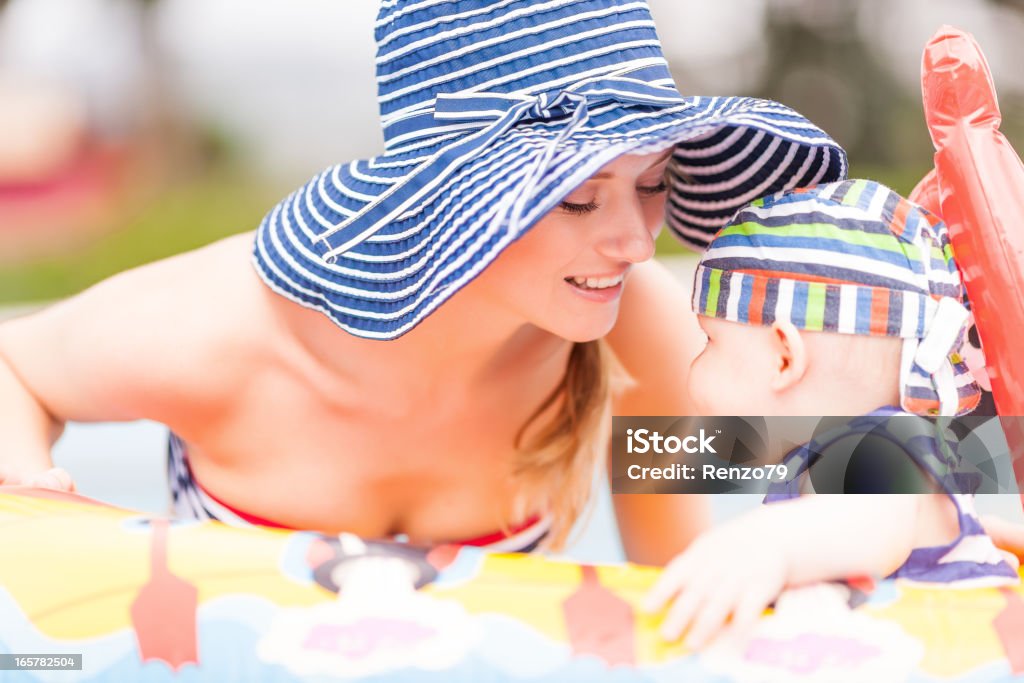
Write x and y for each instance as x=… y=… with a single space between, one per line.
x=600 y=289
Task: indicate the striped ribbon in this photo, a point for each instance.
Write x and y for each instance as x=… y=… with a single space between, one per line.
x=493 y=114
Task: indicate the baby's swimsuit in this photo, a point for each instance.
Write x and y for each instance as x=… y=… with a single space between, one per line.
x=190 y=500
x=970 y=558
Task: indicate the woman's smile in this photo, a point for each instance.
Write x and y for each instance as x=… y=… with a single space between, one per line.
x=599 y=288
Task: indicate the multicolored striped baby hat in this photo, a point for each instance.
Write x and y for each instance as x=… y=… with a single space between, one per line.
x=492 y=112
x=851 y=257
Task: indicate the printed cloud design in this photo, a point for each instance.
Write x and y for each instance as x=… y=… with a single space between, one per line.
x=815 y=636
x=376 y=625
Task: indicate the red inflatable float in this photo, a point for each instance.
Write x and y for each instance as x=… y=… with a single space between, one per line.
x=977 y=186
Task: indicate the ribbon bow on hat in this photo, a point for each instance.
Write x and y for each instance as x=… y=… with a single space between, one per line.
x=488 y=116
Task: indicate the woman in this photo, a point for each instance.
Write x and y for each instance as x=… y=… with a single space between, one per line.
x=489 y=272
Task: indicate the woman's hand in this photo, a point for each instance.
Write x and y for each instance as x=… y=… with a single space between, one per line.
x=730 y=572
x=56 y=478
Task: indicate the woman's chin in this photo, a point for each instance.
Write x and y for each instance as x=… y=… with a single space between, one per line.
x=580 y=330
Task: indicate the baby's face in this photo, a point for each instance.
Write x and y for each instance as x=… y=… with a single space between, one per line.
x=757 y=370
x=732 y=376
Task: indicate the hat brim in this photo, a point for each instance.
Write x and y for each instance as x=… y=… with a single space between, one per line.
x=729 y=151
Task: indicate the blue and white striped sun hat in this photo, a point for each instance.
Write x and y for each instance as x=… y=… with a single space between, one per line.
x=493 y=111
x=851 y=257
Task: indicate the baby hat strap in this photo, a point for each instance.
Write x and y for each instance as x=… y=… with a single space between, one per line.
x=945 y=327
x=939 y=381
x=933 y=377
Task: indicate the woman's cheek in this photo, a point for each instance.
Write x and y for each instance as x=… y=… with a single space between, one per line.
x=653 y=216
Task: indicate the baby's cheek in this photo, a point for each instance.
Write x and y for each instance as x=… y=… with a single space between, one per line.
x=701 y=385
x=723 y=383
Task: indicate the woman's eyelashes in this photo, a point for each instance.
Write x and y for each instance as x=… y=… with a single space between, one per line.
x=578 y=209
x=648 y=191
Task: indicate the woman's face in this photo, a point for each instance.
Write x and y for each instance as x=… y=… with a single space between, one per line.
x=567 y=274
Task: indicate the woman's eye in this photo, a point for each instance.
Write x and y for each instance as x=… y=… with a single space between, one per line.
x=579 y=209
x=654 y=189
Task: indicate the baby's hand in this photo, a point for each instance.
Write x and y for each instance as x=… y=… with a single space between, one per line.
x=735 y=570
x=56 y=478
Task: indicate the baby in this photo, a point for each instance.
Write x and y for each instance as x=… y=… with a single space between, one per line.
x=842 y=299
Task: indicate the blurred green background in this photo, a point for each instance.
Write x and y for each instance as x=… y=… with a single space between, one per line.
x=218 y=118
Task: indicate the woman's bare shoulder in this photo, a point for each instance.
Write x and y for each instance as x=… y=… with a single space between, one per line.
x=209 y=298
x=147 y=340
x=656 y=337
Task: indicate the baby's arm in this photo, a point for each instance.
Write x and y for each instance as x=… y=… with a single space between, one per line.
x=839 y=536
x=738 y=569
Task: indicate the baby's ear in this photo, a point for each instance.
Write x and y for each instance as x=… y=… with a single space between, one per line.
x=790 y=354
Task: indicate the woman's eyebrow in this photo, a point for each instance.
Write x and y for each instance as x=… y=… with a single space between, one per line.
x=605 y=174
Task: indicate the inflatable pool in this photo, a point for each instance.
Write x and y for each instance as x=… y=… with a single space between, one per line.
x=150 y=599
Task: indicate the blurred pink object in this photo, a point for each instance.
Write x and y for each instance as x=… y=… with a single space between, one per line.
x=59 y=183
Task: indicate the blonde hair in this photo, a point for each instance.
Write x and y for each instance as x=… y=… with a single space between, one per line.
x=556 y=466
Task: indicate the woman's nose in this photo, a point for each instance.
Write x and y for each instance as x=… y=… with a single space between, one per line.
x=628 y=238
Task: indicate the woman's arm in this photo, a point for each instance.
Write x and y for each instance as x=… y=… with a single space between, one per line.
x=655 y=338
x=134 y=346
x=27 y=429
